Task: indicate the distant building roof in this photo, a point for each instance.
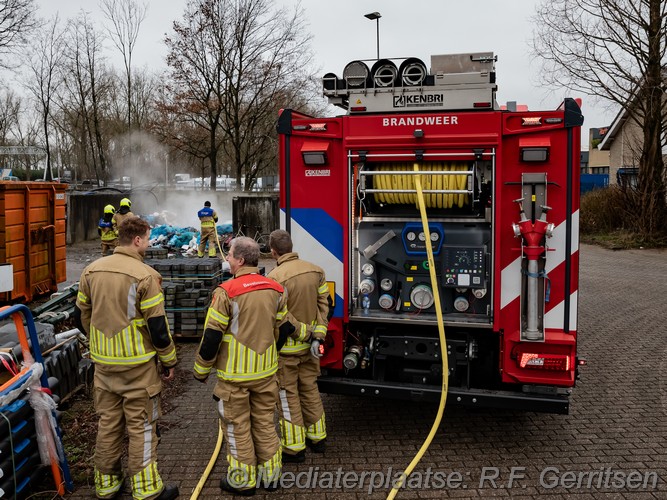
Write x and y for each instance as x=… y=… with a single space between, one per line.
x=614 y=129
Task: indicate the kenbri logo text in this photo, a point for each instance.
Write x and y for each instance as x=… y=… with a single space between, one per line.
x=420 y=120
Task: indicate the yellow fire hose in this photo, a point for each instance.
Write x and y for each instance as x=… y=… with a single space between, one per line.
x=443 y=356
x=217 y=240
x=443 y=341
x=209 y=467
x=218 y=444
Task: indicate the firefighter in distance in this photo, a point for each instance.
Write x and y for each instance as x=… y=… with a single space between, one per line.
x=106 y=230
x=245 y=325
x=120 y=306
x=308 y=300
x=208 y=218
x=122 y=213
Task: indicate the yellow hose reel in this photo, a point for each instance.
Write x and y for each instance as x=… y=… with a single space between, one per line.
x=394 y=181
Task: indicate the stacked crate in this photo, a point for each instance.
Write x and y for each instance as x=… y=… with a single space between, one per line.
x=188 y=285
x=21 y=474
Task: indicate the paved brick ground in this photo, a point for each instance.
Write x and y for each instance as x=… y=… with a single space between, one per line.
x=616 y=420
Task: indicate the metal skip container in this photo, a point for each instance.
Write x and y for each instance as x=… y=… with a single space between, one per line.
x=32 y=238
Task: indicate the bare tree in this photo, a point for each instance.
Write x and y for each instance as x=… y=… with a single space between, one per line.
x=10 y=112
x=230 y=63
x=125 y=17
x=17 y=21
x=42 y=82
x=85 y=93
x=615 y=49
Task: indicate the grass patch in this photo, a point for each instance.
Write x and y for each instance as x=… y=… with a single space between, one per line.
x=79 y=425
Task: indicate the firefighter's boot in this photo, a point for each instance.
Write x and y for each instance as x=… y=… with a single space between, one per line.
x=296 y=458
x=225 y=486
x=317 y=446
x=168 y=493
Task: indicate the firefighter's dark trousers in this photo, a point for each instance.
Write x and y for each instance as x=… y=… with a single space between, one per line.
x=301 y=410
x=127 y=399
x=209 y=235
x=246 y=409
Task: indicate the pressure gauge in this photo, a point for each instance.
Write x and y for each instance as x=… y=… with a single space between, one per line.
x=367 y=269
x=422 y=237
x=411 y=236
x=435 y=236
x=386 y=284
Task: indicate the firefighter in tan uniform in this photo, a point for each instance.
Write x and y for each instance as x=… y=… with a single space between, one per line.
x=208 y=218
x=106 y=230
x=301 y=411
x=122 y=214
x=121 y=307
x=247 y=316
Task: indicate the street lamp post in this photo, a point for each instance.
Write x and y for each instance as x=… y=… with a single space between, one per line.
x=375 y=16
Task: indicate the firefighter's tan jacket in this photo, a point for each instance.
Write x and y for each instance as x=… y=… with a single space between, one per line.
x=308 y=293
x=241 y=328
x=118 y=295
x=119 y=217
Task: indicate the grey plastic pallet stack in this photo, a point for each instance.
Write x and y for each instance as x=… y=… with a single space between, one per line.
x=188 y=285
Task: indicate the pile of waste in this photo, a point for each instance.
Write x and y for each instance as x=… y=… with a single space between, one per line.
x=183 y=240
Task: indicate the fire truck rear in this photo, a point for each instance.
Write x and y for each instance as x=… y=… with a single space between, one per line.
x=501 y=193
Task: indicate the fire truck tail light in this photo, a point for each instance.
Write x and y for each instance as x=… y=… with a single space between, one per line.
x=555 y=362
x=482 y=105
x=531 y=121
x=357 y=108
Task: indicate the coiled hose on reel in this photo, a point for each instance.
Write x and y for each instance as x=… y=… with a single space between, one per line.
x=394 y=180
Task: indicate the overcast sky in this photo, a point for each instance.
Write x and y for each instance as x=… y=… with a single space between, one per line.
x=419 y=28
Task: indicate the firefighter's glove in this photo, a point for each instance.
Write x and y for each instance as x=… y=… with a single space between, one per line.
x=284 y=331
x=315 y=348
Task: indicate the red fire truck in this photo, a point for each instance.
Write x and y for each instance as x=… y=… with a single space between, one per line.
x=501 y=191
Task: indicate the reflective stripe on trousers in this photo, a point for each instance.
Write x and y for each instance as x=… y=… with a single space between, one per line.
x=240 y=475
x=107 y=485
x=293 y=435
x=317 y=431
x=270 y=471
x=147 y=482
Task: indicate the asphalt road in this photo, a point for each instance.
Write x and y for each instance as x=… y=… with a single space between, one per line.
x=611 y=445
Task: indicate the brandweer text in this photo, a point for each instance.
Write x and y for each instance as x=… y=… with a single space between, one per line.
x=420 y=120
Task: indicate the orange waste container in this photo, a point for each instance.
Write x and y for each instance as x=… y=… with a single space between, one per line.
x=32 y=237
